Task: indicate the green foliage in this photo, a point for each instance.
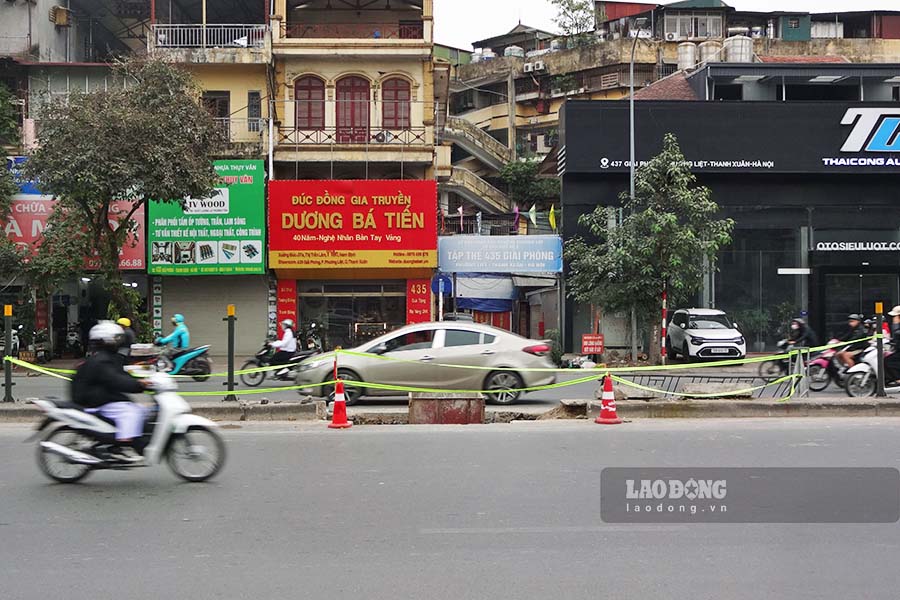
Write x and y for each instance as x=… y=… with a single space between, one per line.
x=753 y=322
x=525 y=187
x=574 y=17
x=9 y=117
x=149 y=139
x=668 y=238
x=556 y=352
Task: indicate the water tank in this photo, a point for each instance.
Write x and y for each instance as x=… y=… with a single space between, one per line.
x=488 y=55
x=557 y=44
x=711 y=51
x=477 y=56
x=739 y=49
x=687 y=56
x=516 y=51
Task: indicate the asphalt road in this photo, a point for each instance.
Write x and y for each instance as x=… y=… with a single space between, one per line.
x=498 y=511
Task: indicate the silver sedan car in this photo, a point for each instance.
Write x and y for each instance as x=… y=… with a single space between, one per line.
x=417 y=355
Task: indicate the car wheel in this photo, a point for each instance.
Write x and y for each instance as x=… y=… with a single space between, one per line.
x=504 y=386
x=351 y=394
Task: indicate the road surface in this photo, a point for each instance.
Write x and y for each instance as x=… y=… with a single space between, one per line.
x=496 y=511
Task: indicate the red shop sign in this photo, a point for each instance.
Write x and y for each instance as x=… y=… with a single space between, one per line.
x=418 y=301
x=352 y=224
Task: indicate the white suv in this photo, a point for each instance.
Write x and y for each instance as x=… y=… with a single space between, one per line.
x=704 y=333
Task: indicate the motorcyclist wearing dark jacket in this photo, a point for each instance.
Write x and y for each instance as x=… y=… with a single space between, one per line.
x=802 y=335
x=892 y=361
x=101 y=385
x=855 y=331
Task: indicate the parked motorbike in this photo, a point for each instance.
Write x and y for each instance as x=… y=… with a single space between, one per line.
x=192 y=361
x=263 y=358
x=74 y=443
x=310 y=339
x=14 y=345
x=73 y=341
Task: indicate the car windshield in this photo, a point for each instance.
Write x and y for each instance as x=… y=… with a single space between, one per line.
x=710 y=322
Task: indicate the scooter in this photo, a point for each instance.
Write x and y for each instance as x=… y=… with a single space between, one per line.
x=824 y=368
x=73 y=341
x=74 y=443
x=191 y=362
x=14 y=345
x=263 y=358
x=862 y=378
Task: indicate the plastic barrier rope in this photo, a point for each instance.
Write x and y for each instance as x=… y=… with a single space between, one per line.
x=45 y=371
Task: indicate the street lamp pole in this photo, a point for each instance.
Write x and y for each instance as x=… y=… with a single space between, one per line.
x=638 y=25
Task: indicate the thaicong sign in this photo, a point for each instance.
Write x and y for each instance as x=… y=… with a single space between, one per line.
x=500 y=254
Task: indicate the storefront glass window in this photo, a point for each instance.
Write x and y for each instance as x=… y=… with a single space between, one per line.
x=353 y=313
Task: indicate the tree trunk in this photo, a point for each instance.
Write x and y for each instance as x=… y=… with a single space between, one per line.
x=109 y=269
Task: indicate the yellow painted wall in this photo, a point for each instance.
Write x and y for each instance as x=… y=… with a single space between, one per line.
x=238 y=80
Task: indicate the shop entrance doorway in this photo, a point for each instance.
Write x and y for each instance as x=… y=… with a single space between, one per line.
x=352 y=313
x=847 y=293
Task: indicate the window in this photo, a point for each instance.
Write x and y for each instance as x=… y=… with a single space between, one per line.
x=417 y=340
x=488 y=338
x=794 y=23
x=309 y=99
x=396 y=94
x=458 y=337
x=352 y=110
x=254 y=111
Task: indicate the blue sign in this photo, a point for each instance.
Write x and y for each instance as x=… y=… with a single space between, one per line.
x=14 y=165
x=500 y=254
x=441 y=284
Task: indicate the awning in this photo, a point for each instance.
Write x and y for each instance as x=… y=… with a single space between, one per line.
x=533 y=282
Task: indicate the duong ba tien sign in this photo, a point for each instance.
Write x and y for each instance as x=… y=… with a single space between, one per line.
x=500 y=254
x=352 y=224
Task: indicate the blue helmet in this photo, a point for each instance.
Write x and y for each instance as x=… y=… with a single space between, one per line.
x=178 y=318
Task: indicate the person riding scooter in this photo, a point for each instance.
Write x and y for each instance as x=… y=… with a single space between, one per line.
x=892 y=361
x=801 y=335
x=855 y=332
x=286 y=347
x=100 y=385
x=180 y=338
x=127 y=340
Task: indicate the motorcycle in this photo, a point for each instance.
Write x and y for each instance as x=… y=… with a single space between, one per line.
x=862 y=378
x=263 y=359
x=310 y=339
x=14 y=342
x=73 y=341
x=191 y=362
x=825 y=368
x=73 y=442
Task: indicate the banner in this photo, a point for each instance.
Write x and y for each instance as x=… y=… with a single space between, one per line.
x=501 y=254
x=286 y=302
x=352 y=224
x=418 y=301
x=28 y=219
x=221 y=235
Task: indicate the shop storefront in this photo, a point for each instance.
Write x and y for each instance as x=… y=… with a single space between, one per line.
x=812 y=188
x=355 y=257
x=211 y=253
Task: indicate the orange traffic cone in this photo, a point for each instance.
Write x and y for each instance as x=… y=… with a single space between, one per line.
x=339 y=417
x=608 y=414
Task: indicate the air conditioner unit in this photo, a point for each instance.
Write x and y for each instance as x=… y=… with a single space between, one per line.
x=540 y=66
x=543 y=147
x=60 y=16
x=673 y=37
x=556 y=92
x=528 y=67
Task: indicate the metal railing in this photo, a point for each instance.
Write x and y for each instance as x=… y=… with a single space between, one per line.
x=458 y=127
x=240 y=131
x=480 y=191
x=208 y=36
x=494 y=224
x=371 y=136
x=375 y=31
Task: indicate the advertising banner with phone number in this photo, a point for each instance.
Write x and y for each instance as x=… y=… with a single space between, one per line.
x=221 y=235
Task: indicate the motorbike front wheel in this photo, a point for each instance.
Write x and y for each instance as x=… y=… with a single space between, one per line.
x=252 y=379
x=197 y=454
x=771 y=370
x=59 y=468
x=818 y=377
x=860 y=385
x=200 y=368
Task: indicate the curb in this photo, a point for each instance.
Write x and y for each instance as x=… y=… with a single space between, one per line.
x=232 y=411
x=738 y=409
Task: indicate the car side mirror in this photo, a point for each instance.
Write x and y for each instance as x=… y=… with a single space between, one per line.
x=380 y=349
x=736 y=326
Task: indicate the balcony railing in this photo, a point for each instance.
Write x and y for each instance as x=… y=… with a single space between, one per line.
x=208 y=36
x=375 y=31
x=243 y=131
x=371 y=136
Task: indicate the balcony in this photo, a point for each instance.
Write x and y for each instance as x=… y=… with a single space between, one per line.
x=213 y=44
x=399 y=38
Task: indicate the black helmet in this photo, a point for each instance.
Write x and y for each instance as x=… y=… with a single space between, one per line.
x=855 y=317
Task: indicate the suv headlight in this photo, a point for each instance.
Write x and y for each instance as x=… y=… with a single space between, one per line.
x=697 y=340
x=739 y=340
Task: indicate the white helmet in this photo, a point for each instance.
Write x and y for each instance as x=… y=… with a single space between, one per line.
x=288 y=323
x=106 y=333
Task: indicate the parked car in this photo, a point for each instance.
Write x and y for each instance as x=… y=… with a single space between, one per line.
x=704 y=333
x=412 y=356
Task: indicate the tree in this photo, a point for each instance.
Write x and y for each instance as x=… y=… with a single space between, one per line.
x=11 y=257
x=525 y=187
x=148 y=139
x=668 y=239
x=575 y=18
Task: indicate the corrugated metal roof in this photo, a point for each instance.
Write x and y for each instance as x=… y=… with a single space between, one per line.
x=729 y=70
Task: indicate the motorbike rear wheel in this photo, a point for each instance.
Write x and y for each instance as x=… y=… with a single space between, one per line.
x=57 y=467
x=860 y=385
x=201 y=368
x=252 y=379
x=197 y=454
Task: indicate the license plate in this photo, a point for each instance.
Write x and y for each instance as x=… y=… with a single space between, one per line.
x=719 y=350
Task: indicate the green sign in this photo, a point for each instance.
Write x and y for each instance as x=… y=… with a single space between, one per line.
x=221 y=235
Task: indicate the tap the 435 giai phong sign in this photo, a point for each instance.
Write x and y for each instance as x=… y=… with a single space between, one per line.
x=352 y=224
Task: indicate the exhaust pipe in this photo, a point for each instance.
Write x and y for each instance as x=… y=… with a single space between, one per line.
x=74 y=456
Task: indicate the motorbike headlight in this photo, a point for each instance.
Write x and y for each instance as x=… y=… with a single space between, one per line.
x=697 y=340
